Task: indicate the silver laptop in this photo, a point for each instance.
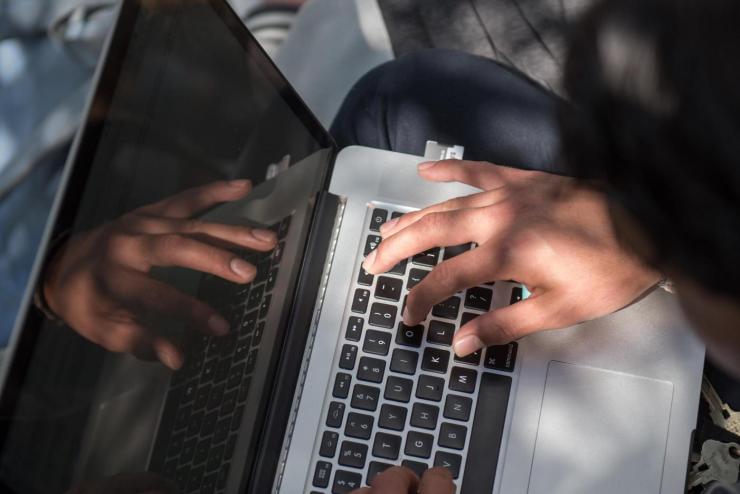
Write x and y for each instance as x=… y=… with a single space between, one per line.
x=319 y=386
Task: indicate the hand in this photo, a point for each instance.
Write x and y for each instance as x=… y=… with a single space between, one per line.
x=399 y=480
x=134 y=483
x=542 y=230
x=99 y=281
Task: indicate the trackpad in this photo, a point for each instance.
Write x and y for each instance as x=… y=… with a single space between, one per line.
x=600 y=431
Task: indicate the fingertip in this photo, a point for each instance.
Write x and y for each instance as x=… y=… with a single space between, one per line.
x=240 y=183
x=266 y=236
x=369 y=261
x=243 y=269
x=218 y=325
x=426 y=165
x=467 y=344
x=169 y=355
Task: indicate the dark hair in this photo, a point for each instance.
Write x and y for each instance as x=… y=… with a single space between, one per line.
x=654 y=114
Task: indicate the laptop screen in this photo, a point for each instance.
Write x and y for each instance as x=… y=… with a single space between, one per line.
x=139 y=262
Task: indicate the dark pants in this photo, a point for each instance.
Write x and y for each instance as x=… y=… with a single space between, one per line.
x=453 y=98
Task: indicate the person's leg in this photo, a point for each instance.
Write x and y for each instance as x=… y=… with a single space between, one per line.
x=452 y=98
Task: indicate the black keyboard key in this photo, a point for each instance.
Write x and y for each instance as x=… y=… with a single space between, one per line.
x=440 y=332
x=195 y=477
x=235 y=376
x=457 y=407
x=359 y=425
x=328 y=446
x=182 y=418
x=404 y=361
x=424 y=416
x=452 y=435
x=396 y=214
x=248 y=323
x=467 y=317
x=209 y=484
x=201 y=397
x=478 y=298
x=398 y=389
x=456 y=250
x=229 y=403
x=335 y=415
x=419 y=444
x=222 y=370
x=188 y=450
x=265 y=307
x=377 y=342
x=236 y=419
x=222 y=430
x=214 y=458
x=473 y=358
x=271 y=279
x=346 y=482
x=430 y=388
x=392 y=417
x=379 y=216
x=347 y=357
x=447 y=309
x=427 y=258
x=485 y=438
x=223 y=475
x=263 y=271
x=360 y=300
x=255 y=297
x=354 y=329
x=244 y=390
x=209 y=369
x=371 y=370
x=388 y=288
x=415 y=277
x=371 y=244
x=435 y=360
x=365 y=397
x=383 y=315
x=352 y=454
x=409 y=335
x=322 y=474
x=463 y=380
x=258 y=332
x=415 y=466
x=450 y=461
x=216 y=397
x=400 y=268
x=386 y=446
x=175 y=445
x=501 y=357
x=341 y=385
x=229 y=448
x=277 y=253
x=516 y=295
x=201 y=451
x=195 y=423
x=365 y=278
x=376 y=468
x=209 y=423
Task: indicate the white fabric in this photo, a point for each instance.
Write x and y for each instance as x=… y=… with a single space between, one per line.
x=331 y=45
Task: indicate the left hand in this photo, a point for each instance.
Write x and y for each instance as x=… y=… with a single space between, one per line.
x=548 y=232
x=400 y=480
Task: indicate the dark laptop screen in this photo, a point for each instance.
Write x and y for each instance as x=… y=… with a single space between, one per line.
x=186 y=99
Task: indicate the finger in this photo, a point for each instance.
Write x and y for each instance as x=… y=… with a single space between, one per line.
x=437 y=480
x=230 y=235
x=472 y=201
x=395 y=480
x=152 y=303
x=501 y=326
x=433 y=230
x=188 y=202
x=174 y=250
x=479 y=174
x=362 y=490
x=168 y=353
x=469 y=269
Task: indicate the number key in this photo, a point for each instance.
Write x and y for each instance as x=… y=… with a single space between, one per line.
x=371 y=369
x=377 y=342
x=383 y=315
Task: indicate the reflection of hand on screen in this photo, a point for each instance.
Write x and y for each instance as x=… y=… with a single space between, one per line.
x=99 y=281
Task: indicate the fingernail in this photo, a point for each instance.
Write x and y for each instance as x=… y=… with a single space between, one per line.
x=242 y=268
x=426 y=165
x=218 y=324
x=467 y=345
x=239 y=183
x=170 y=360
x=264 y=235
x=406 y=317
x=369 y=261
x=388 y=226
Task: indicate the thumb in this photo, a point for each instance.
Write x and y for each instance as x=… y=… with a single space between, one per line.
x=501 y=326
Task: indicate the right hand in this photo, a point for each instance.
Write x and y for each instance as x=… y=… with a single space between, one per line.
x=99 y=282
x=400 y=480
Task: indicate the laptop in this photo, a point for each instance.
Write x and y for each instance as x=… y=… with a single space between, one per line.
x=318 y=387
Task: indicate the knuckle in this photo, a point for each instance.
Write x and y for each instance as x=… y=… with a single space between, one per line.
x=192 y=225
x=445 y=275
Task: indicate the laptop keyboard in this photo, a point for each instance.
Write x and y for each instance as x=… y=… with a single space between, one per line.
x=399 y=395
x=206 y=399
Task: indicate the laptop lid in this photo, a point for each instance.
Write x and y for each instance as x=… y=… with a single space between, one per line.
x=184 y=97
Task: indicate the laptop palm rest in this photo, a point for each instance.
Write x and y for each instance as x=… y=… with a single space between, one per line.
x=600 y=431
